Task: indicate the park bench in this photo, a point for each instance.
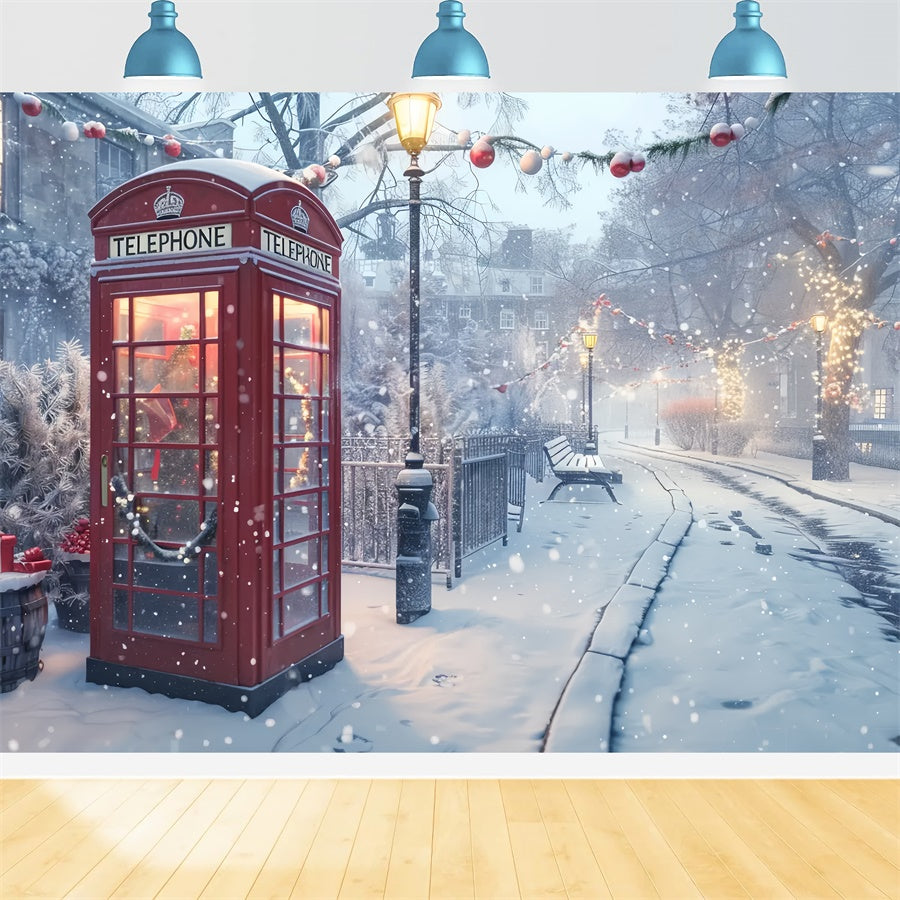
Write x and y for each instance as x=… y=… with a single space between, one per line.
x=578 y=468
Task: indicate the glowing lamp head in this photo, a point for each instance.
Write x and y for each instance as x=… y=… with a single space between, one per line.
x=590 y=339
x=818 y=322
x=414 y=117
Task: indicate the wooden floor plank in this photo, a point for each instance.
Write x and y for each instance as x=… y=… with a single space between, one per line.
x=367 y=867
x=804 y=802
x=733 y=802
x=536 y=868
x=57 y=863
x=167 y=854
x=873 y=797
x=13 y=790
x=27 y=807
x=748 y=868
x=283 y=863
x=709 y=873
x=215 y=844
x=622 y=869
x=826 y=860
x=658 y=859
x=493 y=866
x=409 y=868
x=580 y=870
x=134 y=845
x=326 y=862
x=880 y=837
x=67 y=800
x=452 y=875
x=237 y=873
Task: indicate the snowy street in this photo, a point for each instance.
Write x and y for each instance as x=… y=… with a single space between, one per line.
x=742 y=649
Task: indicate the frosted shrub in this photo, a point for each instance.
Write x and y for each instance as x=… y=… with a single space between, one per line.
x=44 y=447
x=734 y=437
x=688 y=422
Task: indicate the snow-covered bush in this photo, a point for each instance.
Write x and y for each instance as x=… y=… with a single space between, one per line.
x=689 y=422
x=734 y=437
x=44 y=447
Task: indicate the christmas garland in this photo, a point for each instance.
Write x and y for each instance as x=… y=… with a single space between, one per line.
x=186 y=553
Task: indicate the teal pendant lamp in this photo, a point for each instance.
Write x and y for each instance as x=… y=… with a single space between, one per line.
x=162 y=51
x=747 y=51
x=451 y=51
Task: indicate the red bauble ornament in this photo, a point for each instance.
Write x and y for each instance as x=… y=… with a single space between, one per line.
x=99 y=130
x=638 y=161
x=720 y=135
x=481 y=155
x=172 y=147
x=31 y=106
x=620 y=164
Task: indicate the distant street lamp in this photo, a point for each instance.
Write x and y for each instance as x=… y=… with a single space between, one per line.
x=590 y=341
x=657 y=378
x=414 y=117
x=583 y=359
x=818 y=323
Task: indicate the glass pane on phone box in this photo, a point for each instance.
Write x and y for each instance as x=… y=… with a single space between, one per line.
x=175 y=471
x=324 y=540
x=301 y=373
x=121 y=564
x=276 y=522
x=211 y=314
x=210 y=482
x=166 y=616
x=210 y=621
x=301 y=420
x=120 y=609
x=301 y=607
x=164 y=574
x=120 y=319
x=211 y=417
x=301 y=467
x=301 y=323
x=276 y=370
x=171 y=520
x=166 y=316
x=211 y=368
x=324 y=598
x=122 y=421
x=122 y=383
x=276 y=317
x=323 y=506
x=277 y=474
x=301 y=562
x=300 y=516
x=276 y=571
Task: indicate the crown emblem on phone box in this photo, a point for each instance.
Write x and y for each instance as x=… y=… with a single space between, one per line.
x=300 y=218
x=168 y=205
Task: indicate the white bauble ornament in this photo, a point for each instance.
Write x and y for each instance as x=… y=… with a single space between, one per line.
x=149 y=140
x=463 y=137
x=487 y=138
x=751 y=122
x=737 y=131
x=70 y=131
x=531 y=162
x=19 y=97
x=334 y=160
x=567 y=157
x=547 y=152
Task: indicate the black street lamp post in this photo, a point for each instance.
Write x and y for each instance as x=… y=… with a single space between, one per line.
x=656 y=378
x=414 y=118
x=583 y=359
x=590 y=341
x=819 y=322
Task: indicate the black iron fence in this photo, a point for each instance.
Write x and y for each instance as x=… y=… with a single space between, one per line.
x=472 y=477
x=873 y=444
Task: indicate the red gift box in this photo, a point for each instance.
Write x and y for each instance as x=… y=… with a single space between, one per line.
x=39 y=565
x=7 y=549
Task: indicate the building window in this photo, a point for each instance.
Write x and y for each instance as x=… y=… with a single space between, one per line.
x=115 y=165
x=537 y=284
x=440 y=308
x=540 y=350
x=883 y=403
x=465 y=311
x=369 y=280
x=504 y=285
x=507 y=319
x=541 y=320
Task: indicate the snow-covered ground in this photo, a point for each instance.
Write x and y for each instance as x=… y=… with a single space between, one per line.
x=742 y=651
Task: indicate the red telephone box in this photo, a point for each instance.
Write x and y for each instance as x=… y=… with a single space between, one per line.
x=215 y=436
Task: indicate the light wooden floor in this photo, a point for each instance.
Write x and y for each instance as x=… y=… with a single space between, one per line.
x=449 y=838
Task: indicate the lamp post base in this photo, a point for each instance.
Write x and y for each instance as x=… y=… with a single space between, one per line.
x=819 y=458
x=414 y=518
